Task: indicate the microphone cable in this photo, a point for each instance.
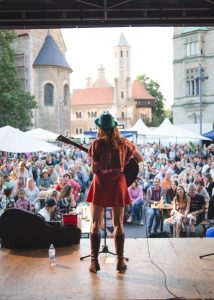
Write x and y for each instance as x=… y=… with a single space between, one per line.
x=175 y=297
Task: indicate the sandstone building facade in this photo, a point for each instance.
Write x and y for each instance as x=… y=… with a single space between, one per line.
x=127 y=101
x=193 y=57
x=44 y=73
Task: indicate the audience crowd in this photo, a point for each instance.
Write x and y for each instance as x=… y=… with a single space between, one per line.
x=175 y=175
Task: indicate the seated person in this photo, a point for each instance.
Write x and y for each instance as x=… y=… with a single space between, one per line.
x=136 y=194
x=200 y=189
x=56 y=215
x=181 y=206
x=197 y=209
x=45 y=182
x=60 y=183
x=210 y=215
x=22 y=202
x=32 y=194
x=66 y=199
x=171 y=192
x=50 y=205
x=153 y=194
x=7 y=200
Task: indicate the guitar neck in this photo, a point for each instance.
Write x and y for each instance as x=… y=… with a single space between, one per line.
x=66 y=140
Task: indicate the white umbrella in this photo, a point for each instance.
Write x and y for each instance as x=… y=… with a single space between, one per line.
x=42 y=134
x=141 y=128
x=14 y=140
x=167 y=129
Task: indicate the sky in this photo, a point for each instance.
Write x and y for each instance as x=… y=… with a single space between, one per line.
x=151 y=54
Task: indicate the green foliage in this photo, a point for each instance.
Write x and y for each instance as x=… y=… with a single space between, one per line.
x=15 y=104
x=158 y=111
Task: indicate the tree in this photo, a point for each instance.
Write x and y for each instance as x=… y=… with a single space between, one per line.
x=15 y=104
x=158 y=111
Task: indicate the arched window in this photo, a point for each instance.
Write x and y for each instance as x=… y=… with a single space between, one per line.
x=49 y=94
x=92 y=114
x=122 y=95
x=121 y=53
x=80 y=130
x=66 y=94
x=95 y=114
x=77 y=131
x=122 y=115
x=89 y=114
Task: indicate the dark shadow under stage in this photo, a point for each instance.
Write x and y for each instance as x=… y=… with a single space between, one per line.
x=27 y=275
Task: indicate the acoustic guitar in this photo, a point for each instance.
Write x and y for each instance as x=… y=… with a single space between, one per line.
x=130 y=171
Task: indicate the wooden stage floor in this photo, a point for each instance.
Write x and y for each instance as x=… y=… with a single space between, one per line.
x=27 y=275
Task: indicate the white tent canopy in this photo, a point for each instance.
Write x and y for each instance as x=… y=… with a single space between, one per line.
x=43 y=134
x=141 y=128
x=167 y=129
x=17 y=141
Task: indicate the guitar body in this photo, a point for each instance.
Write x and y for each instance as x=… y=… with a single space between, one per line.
x=130 y=170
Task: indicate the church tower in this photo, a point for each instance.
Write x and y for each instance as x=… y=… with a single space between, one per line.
x=52 y=88
x=122 y=81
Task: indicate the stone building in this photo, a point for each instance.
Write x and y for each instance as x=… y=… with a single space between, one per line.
x=193 y=59
x=44 y=73
x=127 y=101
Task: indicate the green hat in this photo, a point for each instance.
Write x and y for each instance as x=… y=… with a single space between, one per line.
x=106 y=121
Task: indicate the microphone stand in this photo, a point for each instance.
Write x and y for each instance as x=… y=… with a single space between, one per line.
x=105 y=247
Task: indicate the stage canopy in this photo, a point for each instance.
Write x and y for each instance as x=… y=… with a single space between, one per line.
x=42 y=134
x=17 y=141
x=106 y=13
x=167 y=129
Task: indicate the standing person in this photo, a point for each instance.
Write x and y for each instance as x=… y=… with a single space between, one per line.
x=109 y=153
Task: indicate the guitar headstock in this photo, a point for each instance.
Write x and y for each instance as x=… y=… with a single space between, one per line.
x=63 y=139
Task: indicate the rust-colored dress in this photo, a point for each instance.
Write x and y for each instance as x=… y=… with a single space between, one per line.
x=108 y=187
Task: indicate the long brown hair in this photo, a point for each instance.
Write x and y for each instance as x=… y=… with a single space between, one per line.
x=65 y=192
x=112 y=140
x=177 y=198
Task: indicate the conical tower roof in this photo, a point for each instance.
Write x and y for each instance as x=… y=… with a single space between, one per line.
x=51 y=55
x=122 y=40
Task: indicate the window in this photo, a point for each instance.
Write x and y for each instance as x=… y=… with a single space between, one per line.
x=92 y=114
x=127 y=53
x=78 y=115
x=121 y=53
x=95 y=114
x=89 y=114
x=192 y=48
x=122 y=115
x=122 y=95
x=80 y=130
x=192 y=82
x=66 y=94
x=49 y=92
x=77 y=131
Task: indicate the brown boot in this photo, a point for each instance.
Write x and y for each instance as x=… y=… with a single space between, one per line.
x=119 y=248
x=95 y=247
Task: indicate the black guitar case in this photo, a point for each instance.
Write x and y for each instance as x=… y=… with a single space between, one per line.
x=20 y=229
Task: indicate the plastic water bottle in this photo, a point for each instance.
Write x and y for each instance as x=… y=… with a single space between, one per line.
x=52 y=255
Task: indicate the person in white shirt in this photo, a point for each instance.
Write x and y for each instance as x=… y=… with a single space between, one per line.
x=32 y=194
x=50 y=206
